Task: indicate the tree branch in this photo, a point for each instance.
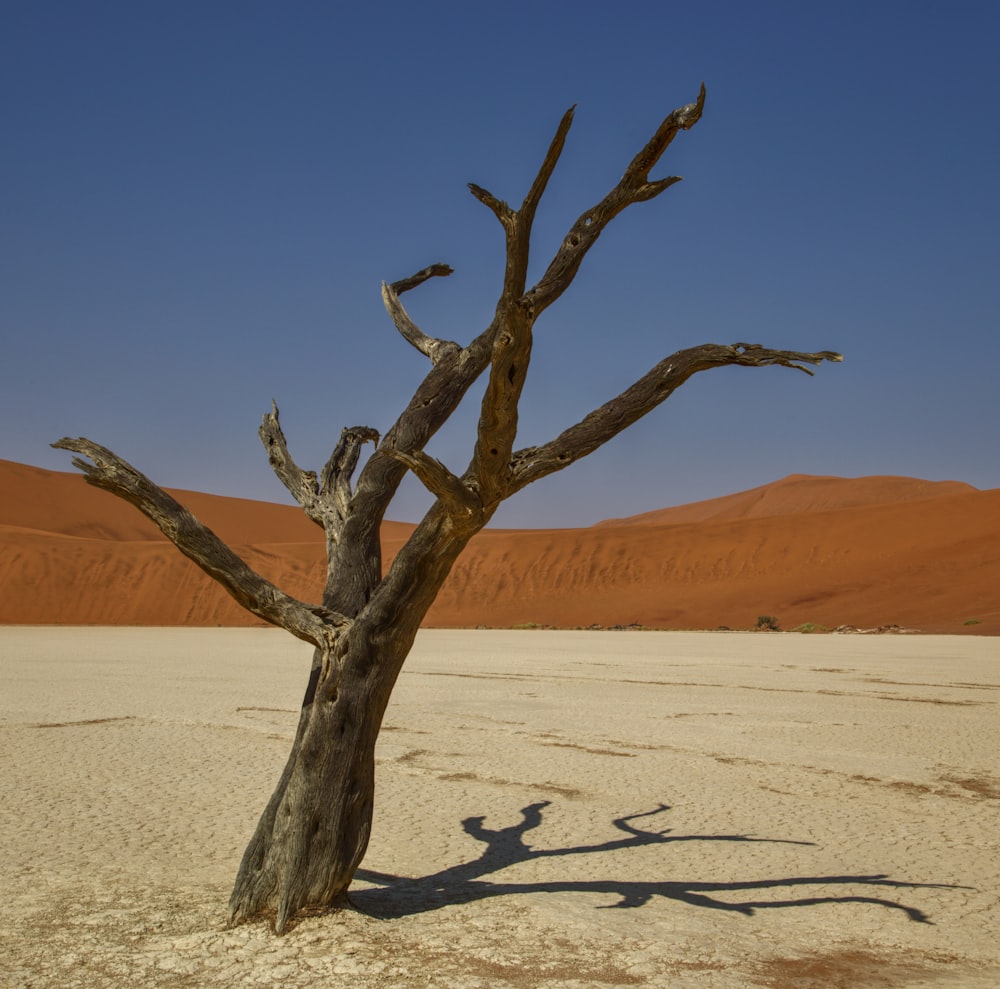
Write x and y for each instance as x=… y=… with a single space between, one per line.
x=498 y=417
x=517 y=224
x=646 y=394
x=511 y=347
x=199 y=544
x=431 y=271
x=436 y=398
x=301 y=484
x=633 y=187
x=441 y=482
x=537 y=190
x=430 y=347
x=335 y=480
x=683 y=118
x=325 y=501
x=500 y=209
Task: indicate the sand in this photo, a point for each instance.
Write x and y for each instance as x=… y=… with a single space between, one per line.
x=554 y=809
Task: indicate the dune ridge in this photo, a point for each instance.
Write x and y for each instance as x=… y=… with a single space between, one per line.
x=831 y=551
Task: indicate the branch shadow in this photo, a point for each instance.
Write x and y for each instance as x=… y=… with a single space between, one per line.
x=398 y=896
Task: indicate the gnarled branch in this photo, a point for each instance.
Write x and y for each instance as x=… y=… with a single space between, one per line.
x=646 y=394
x=335 y=480
x=438 y=270
x=430 y=347
x=301 y=484
x=324 y=500
x=199 y=544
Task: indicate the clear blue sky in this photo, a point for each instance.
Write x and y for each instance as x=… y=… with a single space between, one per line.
x=201 y=199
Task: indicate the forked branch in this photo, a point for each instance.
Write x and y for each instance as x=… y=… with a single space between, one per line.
x=335 y=480
x=325 y=500
x=511 y=345
x=635 y=186
x=200 y=544
x=517 y=223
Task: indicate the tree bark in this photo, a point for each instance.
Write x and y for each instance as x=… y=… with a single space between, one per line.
x=314 y=831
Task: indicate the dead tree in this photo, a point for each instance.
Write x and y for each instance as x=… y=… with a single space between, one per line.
x=314 y=831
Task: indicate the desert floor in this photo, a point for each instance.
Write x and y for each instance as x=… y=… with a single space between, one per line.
x=554 y=809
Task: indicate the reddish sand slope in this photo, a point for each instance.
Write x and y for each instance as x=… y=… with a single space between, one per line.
x=832 y=551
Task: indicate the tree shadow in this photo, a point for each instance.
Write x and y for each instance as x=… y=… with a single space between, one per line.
x=399 y=896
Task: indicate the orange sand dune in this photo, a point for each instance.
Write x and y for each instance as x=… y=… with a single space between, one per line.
x=832 y=551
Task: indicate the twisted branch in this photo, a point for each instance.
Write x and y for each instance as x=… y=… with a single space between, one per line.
x=436 y=350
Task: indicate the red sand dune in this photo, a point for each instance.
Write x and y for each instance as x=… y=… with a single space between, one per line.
x=833 y=551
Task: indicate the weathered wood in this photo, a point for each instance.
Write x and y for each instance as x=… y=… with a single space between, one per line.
x=430 y=347
x=442 y=483
x=335 y=478
x=438 y=270
x=313 y=833
x=301 y=484
x=325 y=499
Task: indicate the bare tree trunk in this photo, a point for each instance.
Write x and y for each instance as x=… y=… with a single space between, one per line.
x=314 y=832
